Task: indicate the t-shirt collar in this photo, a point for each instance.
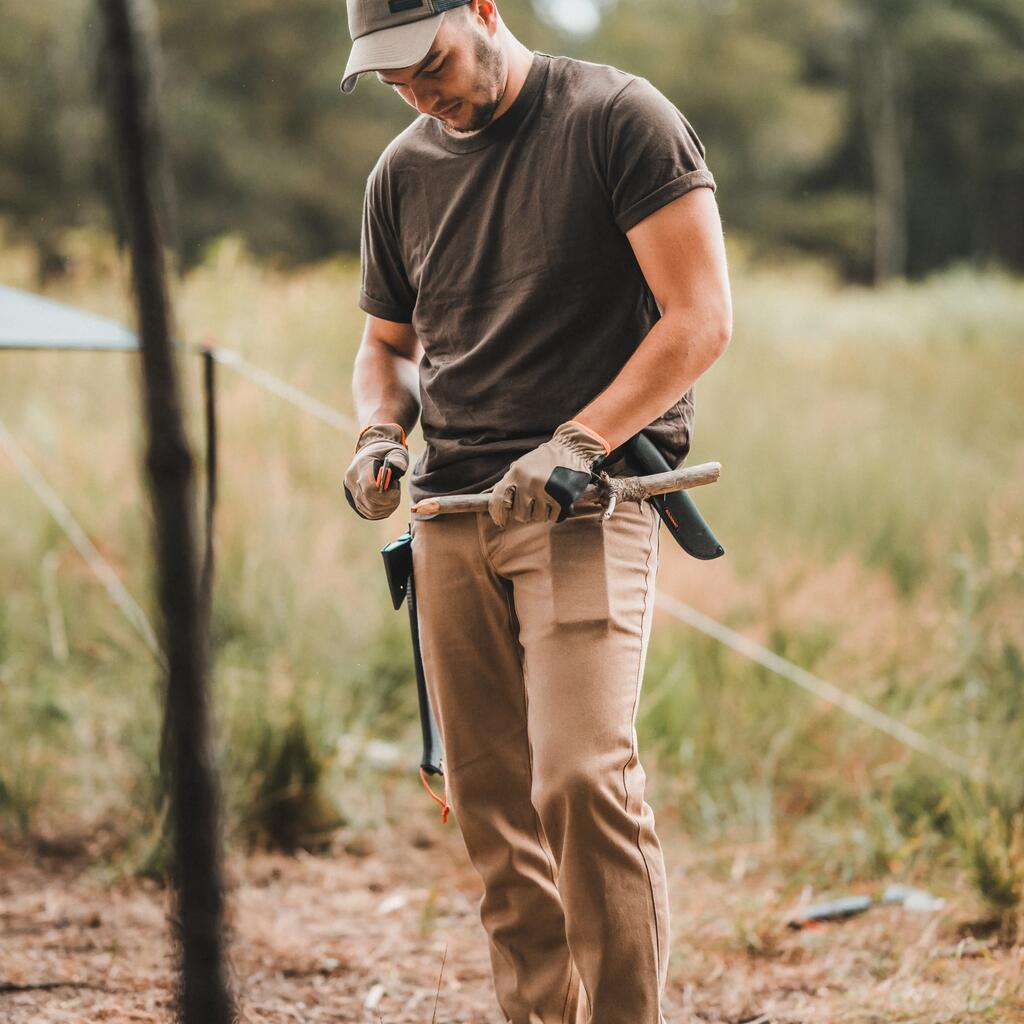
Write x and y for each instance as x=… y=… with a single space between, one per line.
x=503 y=127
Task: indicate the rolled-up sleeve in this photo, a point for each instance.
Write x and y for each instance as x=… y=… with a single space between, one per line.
x=652 y=153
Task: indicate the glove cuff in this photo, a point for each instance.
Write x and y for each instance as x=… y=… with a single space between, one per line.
x=586 y=443
x=381 y=432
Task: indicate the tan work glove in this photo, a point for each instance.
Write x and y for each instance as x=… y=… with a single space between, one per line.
x=371 y=481
x=543 y=484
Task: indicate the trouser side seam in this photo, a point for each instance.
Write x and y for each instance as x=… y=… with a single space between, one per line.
x=529 y=760
x=633 y=752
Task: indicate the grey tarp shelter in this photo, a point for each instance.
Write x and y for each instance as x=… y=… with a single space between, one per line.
x=29 y=321
x=32 y=323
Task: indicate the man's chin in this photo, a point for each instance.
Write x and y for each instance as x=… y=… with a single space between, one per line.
x=479 y=118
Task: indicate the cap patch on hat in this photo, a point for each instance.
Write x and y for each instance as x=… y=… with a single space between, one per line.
x=403 y=5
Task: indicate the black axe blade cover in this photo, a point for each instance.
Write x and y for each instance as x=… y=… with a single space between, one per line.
x=677 y=510
x=401 y=582
x=397 y=557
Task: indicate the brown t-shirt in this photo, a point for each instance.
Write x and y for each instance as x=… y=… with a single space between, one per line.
x=506 y=250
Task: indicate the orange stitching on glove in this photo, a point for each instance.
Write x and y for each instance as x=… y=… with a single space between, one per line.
x=593 y=433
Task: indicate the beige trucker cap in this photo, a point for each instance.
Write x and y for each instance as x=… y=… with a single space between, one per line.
x=391 y=34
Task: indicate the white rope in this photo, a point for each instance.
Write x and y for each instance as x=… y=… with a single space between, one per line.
x=102 y=569
x=821 y=688
x=281 y=388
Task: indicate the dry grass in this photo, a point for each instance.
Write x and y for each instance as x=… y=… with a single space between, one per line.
x=871 y=507
x=360 y=936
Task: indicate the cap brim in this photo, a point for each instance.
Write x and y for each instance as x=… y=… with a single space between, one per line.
x=398 y=47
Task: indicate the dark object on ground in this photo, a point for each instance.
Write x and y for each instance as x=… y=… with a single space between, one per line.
x=833 y=910
x=906 y=896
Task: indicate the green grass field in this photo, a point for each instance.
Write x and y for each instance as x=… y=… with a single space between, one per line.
x=871 y=504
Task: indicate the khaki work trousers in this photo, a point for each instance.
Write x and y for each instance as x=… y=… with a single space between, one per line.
x=534 y=639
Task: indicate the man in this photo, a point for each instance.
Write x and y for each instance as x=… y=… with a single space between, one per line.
x=544 y=275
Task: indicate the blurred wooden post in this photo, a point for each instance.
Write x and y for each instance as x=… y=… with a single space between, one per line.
x=128 y=65
x=883 y=101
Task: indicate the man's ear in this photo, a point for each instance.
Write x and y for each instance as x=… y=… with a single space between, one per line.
x=486 y=10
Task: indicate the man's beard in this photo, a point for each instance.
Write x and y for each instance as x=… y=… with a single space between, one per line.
x=492 y=74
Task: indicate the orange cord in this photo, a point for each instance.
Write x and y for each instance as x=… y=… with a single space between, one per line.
x=445 y=806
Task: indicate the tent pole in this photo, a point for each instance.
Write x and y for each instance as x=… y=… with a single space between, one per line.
x=210 y=406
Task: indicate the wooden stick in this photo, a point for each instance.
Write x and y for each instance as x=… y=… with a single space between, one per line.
x=658 y=483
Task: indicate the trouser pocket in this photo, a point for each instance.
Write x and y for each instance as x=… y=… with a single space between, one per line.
x=579 y=573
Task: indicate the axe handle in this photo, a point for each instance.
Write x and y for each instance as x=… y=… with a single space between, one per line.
x=658 y=483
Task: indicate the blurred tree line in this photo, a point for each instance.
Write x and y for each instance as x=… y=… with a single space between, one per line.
x=884 y=135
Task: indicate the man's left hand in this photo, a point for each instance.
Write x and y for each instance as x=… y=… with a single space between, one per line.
x=542 y=485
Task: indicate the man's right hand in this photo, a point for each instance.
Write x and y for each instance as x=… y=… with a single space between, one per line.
x=381 y=459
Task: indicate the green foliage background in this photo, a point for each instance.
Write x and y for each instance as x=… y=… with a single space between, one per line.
x=789 y=97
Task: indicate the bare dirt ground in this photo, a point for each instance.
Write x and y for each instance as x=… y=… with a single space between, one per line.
x=385 y=930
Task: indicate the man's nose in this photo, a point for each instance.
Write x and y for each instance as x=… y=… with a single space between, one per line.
x=423 y=104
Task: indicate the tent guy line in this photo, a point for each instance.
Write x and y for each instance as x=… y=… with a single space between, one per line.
x=288 y=392
x=100 y=567
x=821 y=688
x=750 y=649
x=22 y=330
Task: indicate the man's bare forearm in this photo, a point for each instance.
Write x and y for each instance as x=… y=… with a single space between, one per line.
x=681 y=252
x=385 y=385
x=668 y=361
